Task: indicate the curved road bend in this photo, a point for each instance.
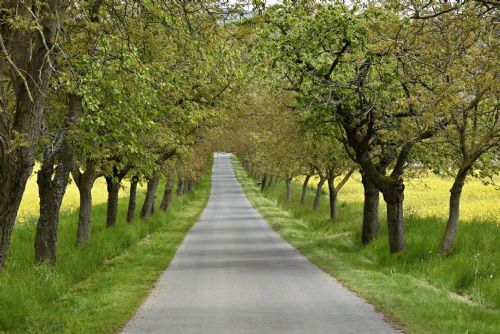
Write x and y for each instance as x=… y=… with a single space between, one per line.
x=233 y=274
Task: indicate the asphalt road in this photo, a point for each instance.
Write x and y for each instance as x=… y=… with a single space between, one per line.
x=233 y=274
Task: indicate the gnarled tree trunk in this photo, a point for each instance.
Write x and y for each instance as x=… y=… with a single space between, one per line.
x=333 y=198
x=52 y=183
x=264 y=182
x=180 y=186
x=271 y=179
x=132 y=199
x=85 y=182
x=149 y=202
x=319 y=189
x=304 y=190
x=288 y=182
x=187 y=186
x=446 y=245
x=371 y=227
x=167 y=194
x=29 y=75
x=113 y=186
x=334 y=190
x=395 y=222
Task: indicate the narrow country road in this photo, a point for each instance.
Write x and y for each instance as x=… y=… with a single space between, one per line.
x=233 y=274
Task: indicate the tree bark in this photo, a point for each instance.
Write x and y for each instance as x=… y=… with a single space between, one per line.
x=264 y=181
x=333 y=198
x=187 y=186
x=132 y=199
x=371 y=227
x=149 y=201
x=319 y=189
x=288 y=182
x=395 y=222
x=85 y=181
x=46 y=228
x=304 y=190
x=180 y=186
x=271 y=179
x=113 y=188
x=167 y=194
x=334 y=190
x=29 y=78
x=52 y=183
x=450 y=232
x=85 y=215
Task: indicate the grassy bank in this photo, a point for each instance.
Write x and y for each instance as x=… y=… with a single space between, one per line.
x=96 y=288
x=418 y=289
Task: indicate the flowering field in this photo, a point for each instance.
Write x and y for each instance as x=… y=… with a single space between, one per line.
x=428 y=197
x=30 y=203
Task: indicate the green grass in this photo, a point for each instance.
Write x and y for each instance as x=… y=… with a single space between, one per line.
x=421 y=291
x=96 y=288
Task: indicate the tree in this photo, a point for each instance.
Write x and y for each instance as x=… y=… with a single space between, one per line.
x=467 y=74
x=28 y=38
x=351 y=67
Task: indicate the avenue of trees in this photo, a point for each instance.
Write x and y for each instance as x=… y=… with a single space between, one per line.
x=124 y=90
x=140 y=90
x=376 y=87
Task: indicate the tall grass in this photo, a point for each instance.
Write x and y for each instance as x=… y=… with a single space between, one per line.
x=423 y=291
x=31 y=296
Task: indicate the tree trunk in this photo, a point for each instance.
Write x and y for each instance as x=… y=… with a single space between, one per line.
x=132 y=199
x=264 y=181
x=319 y=189
x=187 y=186
x=52 y=183
x=28 y=50
x=334 y=190
x=395 y=221
x=271 y=179
x=304 y=190
x=288 y=182
x=333 y=198
x=46 y=228
x=180 y=186
x=85 y=214
x=13 y=180
x=446 y=245
x=371 y=227
x=149 y=201
x=167 y=194
x=85 y=181
x=113 y=188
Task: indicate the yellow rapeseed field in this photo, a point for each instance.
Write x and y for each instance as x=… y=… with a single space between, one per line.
x=30 y=203
x=428 y=196
x=425 y=196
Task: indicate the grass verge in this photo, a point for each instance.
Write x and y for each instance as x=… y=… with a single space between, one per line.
x=419 y=290
x=96 y=288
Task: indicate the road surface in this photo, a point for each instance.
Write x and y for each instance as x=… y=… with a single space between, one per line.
x=233 y=274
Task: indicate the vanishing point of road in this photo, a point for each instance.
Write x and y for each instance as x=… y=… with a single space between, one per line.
x=233 y=274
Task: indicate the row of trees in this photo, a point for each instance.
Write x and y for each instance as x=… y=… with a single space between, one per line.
x=102 y=88
x=136 y=90
x=378 y=87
